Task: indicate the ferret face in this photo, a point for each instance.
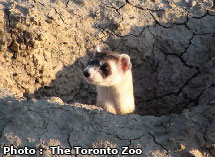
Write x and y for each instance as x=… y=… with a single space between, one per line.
x=106 y=68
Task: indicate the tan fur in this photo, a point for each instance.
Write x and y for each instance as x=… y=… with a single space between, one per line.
x=119 y=98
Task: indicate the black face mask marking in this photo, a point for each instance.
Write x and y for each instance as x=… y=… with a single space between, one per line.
x=94 y=62
x=99 y=62
x=105 y=70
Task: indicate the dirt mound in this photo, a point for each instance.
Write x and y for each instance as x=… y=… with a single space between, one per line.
x=42 y=125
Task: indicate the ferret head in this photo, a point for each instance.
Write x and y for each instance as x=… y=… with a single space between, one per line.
x=107 y=68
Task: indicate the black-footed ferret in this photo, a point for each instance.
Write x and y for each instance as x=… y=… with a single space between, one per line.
x=111 y=73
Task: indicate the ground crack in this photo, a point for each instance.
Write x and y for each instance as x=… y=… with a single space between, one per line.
x=60 y=15
x=114 y=8
x=154 y=139
x=45 y=124
x=204 y=136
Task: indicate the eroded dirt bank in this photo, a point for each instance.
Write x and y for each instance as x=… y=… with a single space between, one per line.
x=39 y=124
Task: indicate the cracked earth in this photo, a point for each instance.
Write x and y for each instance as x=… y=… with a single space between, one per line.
x=44 y=46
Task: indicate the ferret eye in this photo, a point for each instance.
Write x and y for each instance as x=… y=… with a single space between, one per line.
x=104 y=68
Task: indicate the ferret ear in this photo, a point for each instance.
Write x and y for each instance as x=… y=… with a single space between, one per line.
x=125 y=62
x=97 y=50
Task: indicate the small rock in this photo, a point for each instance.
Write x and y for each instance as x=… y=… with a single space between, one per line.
x=15 y=47
x=22 y=46
x=49 y=19
x=40 y=37
x=37 y=80
x=193 y=3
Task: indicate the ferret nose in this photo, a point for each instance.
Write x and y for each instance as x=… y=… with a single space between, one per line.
x=86 y=73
